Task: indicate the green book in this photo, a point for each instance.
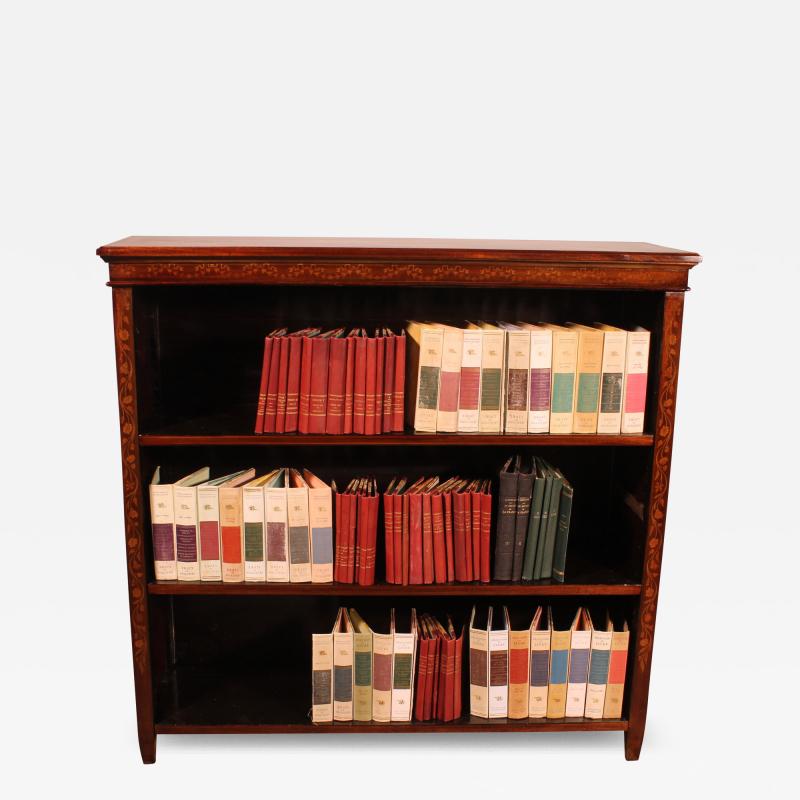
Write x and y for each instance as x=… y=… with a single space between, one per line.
x=534 y=521
x=562 y=532
x=548 y=488
x=552 y=525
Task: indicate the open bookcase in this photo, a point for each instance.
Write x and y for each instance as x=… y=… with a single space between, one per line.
x=190 y=315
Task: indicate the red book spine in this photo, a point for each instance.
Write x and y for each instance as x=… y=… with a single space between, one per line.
x=369 y=404
x=388 y=382
x=435 y=672
x=427 y=539
x=283 y=377
x=450 y=687
x=361 y=540
x=372 y=555
x=262 y=388
x=305 y=384
x=271 y=408
x=398 y=388
x=468 y=537
x=388 y=528
x=415 y=530
x=397 y=529
x=406 y=540
x=339 y=556
x=460 y=554
x=380 y=349
x=351 y=538
x=349 y=373
x=334 y=413
x=448 y=536
x=439 y=547
x=459 y=657
x=486 y=535
x=475 y=505
x=360 y=385
x=319 y=385
x=293 y=383
x=422 y=679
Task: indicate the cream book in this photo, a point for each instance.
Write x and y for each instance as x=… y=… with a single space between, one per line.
x=343 y=668
x=490 y=419
x=162 y=521
x=277 y=528
x=187 y=540
x=498 y=665
x=587 y=378
x=382 y=652
x=449 y=379
x=479 y=664
x=634 y=391
x=322 y=677
x=599 y=657
x=423 y=363
x=320 y=519
x=208 y=523
x=540 y=664
x=559 y=666
x=517 y=374
x=469 y=395
x=519 y=651
x=297 y=517
x=612 y=373
x=615 y=688
x=541 y=367
x=231 y=529
x=562 y=395
x=580 y=642
x=255 y=566
x=362 y=668
x=404 y=656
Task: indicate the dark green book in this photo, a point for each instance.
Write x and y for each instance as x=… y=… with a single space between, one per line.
x=548 y=488
x=524 y=490
x=506 y=520
x=552 y=525
x=562 y=533
x=535 y=519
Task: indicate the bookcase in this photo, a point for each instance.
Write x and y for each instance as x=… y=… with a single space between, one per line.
x=190 y=315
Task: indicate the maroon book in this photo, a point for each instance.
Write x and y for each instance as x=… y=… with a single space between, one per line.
x=448 y=536
x=427 y=538
x=271 y=408
x=262 y=388
x=388 y=528
x=459 y=536
x=422 y=677
x=371 y=373
x=486 y=531
x=415 y=572
x=439 y=546
x=293 y=380
x=305 y=385
x=476 y=506
x=334 y=411
x=387 y=425
x=360 y=384
x=283 y=376
x=398 y=385
x=380 y=349
x=349 y=383
x=319 y=384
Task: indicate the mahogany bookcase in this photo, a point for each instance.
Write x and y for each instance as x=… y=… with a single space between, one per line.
x=190 y=315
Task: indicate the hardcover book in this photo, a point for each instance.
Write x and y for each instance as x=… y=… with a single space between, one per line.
x=362 y=668
x=322 y=677
x=297 y=518
x=541 y=368
x=479 y=627
x=589 y=365
x=559 y=666
x=615 y=688
x=320 y=517
x=231 y=528
x=599 y=658
x=449 y=379
x=404 y=658
x=184 y=498
x=343 y=668
x=580 y=642
x=382 y=658
x=612 y=373
x=519 y=651
x=518 y=356
x=490 y=419
x=470 y=381
x=634 y=394
x=255 y=565
x=540 y=663
x=498 y=665
x=506 y=520
x=565 y=359
x=277 y=528
x=424 y=360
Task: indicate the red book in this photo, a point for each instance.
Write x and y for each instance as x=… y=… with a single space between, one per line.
x=293 y=381
x=371 y=372
x=450 y=687
x=339 y=556
x=422 y=677
x=468 y=533
x=271 y=408
x=398 y=385
x=349 y=373
x=486 y=531
x=406 y=534
x=433 y=677
x=448 y=536
x=388 y=381
x=361 y=539
x=283 y=376
x=415 y=571
x=459 y=530
x=334 y=413
x=351 y=537
x=439 y=546
x=380 y=348
x=388 y=528
x=319 y=383
x=459 y=658
x=360 y=383
x=305 y=384
x=437 y=666
x=427 y=537
x=262 y=387
x=475 y=506
x=372 y=540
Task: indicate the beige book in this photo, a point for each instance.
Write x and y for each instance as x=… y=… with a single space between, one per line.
x=579 y=644
x=322 y=677
x=615 y=688
x=479 y=667
x=299 y=538
x=517 y=379
x=519 y=645
x=612 y=374
x=598 y=671
x=343 y=668
x=498 y=665
x=162 y=520
x=562 y=394
x=255 y=565
x=362 y=668
x=449 y=379
x=424 y=344
x=490 y=419
x=634 y=388
x=277 y=529
x=587 y=378
x=469 y=396
x=559 y=670
x=320 y=519
x=382 y=652
x=187 y=539
x=541 y=369
x=540 y=664
x=231 y=528
x=404 y=660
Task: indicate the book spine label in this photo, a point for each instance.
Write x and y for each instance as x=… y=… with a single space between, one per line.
x=615 y=689
x=519 y=645
x=162 y=518
x=609 y=417
x=490 y=418
x=343 y=677
x=362 y=677
x=322 y=677
x=470 y=383
x=299 y=546
x=277 y=535
x=230 y=526
x=479 y=673
x=399 y=389
x=518 y=357
x=186 y=544
x=320 y=515
x=598 y=674
x=578 y=673
x=559 y=663
x=255 y=567
x=293 y=384
x=498 y=674
x=430 y=362
x=382 y=652
x=403 y=677
x=539 y=673
x=590 y=362
x=319 y=385
x=541 y=368
x=565 y=356
x=208 y=522
x=449 y=380
x=634 y=396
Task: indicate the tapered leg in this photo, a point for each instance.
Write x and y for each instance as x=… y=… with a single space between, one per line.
x=633 y=744
x=147 y=746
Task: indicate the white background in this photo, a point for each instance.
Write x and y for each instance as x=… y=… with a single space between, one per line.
x=673 y=123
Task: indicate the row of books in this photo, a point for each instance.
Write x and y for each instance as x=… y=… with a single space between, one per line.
x=331 y=382
x=414 y=669
x=539 y=669
x=533 y=521
x=524 y=378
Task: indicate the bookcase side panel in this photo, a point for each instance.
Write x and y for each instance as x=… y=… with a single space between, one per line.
x=641 y=658
x=134 y=534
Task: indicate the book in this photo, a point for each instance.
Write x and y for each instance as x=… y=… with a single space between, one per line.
x=320 y=520
x=498 y=664
x=459 y=501
x=371 y=381
x=321 y=677
x=479 y=627
x=297 y=520
x=162 y=524
x=534 y=520
x=524 y=491
x=261 y=406
x=425 y=671
x=519 y=651
x=615 y=689
x=388 y=529
x=360 y=382
x=382 y=663
x=380 y=358
x=565 y=360
x=349 y=381
x=540 y=378
x=277 y=528
x=517 y=374
x=399 y=383
x=599 y=658
x=475 y=509
x=184 y=499
x=427 y=532
x=388 y=380
x=404 y=657
x=562 y=531
x=506 y=519
x=580 y=641
x=343 y=668
x=449 y=379
x=255 y=565
x=490 y=419
x=306 y=362
x=486 y=531
x=540 y=663
x=549 y=477
x=271 y=406
x=292 y=419
x=634 y=392
x=362 y=668
x=318 y=399
x=470 y=381
x=439 y=542
x=612 y=373
x=587 y=378
x=283 y=379
x=423 y=363
x=559 y=665
x=337 y=373
x=231 y=529
x=552 y=525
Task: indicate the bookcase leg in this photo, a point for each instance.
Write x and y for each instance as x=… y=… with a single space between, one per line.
x=633 y=744
x=147 y=746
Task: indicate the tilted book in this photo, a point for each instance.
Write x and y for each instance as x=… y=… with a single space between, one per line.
x=519 y=650
x=490 y=419
x=343 y=668
x=615 y=688
x=424 y=360
x=562 y=531
x=449 y=379
x=540 y=664
x=599 y=658
x=479 y=664
x=322 y=677
x=565 y=360
x=634 y=393
x=534 y=520
x=404 y=657
x=552 y=524
x=362 y=668
x=299 y=539
x=518 y=356
x=184 y=499
x=580 y=642
x=612 y=373
x=255 y=565
x=320 y=516
x=470 y=382
x=549 y=478
x=587 y=379
x=559 y=666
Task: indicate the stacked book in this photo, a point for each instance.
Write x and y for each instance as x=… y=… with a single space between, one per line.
x=518 y=377
x=538 y=670
x=356 y=532
x=533 y=520
x=239 y=527
x=331 y=382
x=437 y=531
